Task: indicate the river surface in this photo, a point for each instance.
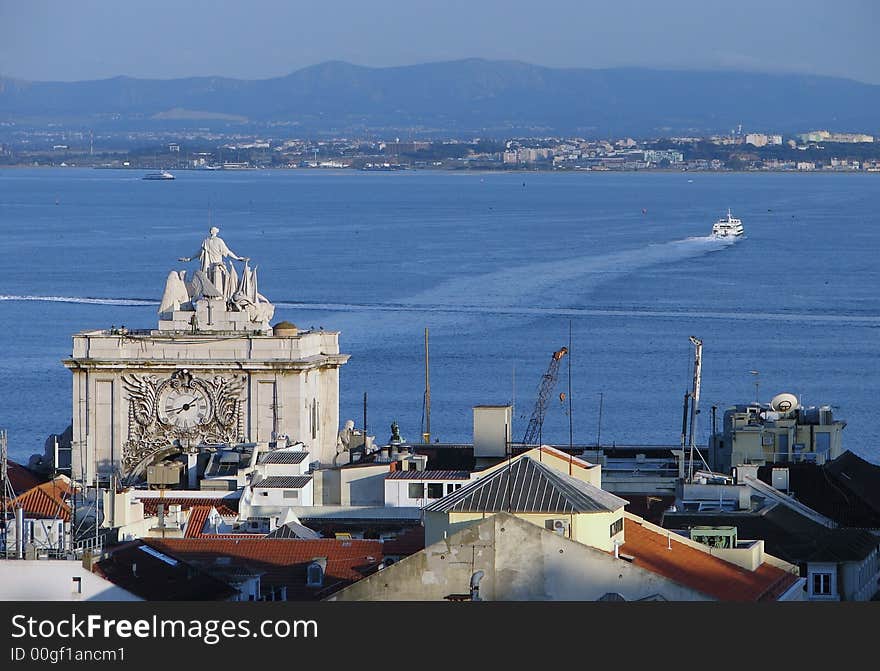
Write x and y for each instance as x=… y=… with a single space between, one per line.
x=499 y=268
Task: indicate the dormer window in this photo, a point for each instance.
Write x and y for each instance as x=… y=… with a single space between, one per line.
x=314 y=575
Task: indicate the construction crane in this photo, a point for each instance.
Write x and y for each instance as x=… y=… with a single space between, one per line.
x=548 y=381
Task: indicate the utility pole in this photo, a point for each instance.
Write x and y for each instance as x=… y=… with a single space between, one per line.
x=4 y=483
x=757 y=375
x=695 y=397
x=426 y=436
x=570 y=429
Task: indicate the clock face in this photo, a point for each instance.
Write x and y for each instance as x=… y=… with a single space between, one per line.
x=184 y=408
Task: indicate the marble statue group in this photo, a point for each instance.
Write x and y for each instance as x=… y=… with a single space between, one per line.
x=215 y=279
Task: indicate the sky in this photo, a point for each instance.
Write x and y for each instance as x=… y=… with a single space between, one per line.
x=69 y=40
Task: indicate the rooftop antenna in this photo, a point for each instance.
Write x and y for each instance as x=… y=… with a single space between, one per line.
x=757 y=375
x=695 y=397
x=570 y=429
x=684 y=419
x=426 y=435
x=4 y=488
x=513 y=398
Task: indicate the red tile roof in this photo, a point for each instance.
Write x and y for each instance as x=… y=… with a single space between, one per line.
x=700 y=570
x=280 y=561
x=406 y=543
x=198 y=515
x=227 y=507
x=46 y=501
x=22 y=479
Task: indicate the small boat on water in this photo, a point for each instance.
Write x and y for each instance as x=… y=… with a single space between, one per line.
x=164 y=174
x=727 y=227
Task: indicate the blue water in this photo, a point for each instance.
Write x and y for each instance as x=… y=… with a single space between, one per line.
x=497 y=266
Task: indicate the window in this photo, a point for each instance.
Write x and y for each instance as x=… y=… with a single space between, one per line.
x=822 y=584
x=291 y=494
x=77 y=585
x=315 y=575
x=416 y=490
x=435 y=490
x=617 y=526
x=450 y=487
x=782 y=448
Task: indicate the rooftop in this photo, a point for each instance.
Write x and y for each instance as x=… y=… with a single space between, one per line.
x=846 y=489
x=279 y=562
x=227 y=507
x=49 y=500
x=285 y=457
x=283 y=482
x=528 y=486
x=156 y=576
x=701 y=570
x=428 y=475
x=21 y=478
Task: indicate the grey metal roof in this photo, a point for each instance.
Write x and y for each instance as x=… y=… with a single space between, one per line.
x=282 y=457
x=528 y=486
x=294 y=530
x=284 y=482
x=429 y=475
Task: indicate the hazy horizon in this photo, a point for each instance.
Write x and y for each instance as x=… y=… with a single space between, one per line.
x=451 y=60
x=49 y=40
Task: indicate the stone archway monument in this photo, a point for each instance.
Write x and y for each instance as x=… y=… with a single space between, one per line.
x=213 y=372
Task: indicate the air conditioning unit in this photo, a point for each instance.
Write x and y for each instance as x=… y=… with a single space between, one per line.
x=559 y=526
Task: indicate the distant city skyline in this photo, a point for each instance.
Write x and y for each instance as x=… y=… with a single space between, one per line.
x=46 y=40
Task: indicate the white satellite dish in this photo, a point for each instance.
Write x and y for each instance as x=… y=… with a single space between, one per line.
x=784 y=402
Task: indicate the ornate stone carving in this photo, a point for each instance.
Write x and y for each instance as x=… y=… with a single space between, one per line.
x=221 y=299
x=181 y=412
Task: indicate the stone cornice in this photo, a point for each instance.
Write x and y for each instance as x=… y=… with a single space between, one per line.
x=307 y=363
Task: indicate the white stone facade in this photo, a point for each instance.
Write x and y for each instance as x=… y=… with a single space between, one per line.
x=142 y=395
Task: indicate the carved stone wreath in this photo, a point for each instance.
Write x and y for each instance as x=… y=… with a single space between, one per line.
x=149 y=433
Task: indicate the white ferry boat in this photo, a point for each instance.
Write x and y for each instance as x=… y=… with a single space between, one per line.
x=164 y=174
x=727 y=227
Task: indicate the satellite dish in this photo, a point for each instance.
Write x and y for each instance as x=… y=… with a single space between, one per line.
x=784 y=402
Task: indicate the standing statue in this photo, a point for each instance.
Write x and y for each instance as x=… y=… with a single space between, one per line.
x=223 y=299
x=211 y=255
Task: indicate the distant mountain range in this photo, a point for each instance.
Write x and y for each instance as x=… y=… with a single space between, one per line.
x=474 y=96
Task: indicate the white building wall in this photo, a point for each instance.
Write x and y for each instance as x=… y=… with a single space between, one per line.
x=278 y=498
x=289 y=381
x=53 y=580
x=397 y=492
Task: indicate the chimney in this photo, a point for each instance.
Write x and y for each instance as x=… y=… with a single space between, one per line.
x=475 y=585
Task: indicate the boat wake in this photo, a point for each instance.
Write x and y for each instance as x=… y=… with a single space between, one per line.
x=500 y=310
x=81 y=299
x=530 y=282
